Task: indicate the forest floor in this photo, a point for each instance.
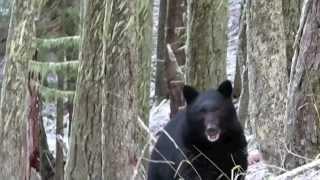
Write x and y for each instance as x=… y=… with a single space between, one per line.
x=159 y=116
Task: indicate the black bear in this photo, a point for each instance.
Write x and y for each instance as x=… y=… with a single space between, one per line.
x=204 y=142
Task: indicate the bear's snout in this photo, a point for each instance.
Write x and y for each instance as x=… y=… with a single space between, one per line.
x=212 y=133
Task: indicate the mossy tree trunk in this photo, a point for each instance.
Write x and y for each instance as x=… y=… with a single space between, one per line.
x=144 y=52
x=267 y=63
x=144 y=42
x=206 y=42
x=4 y=23
x=119 y=124
x=85 y=158
x=13 y=105
x=303 y=118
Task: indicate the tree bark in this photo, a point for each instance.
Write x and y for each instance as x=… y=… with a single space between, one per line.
x=46 y=158
x=291 y=13
x=33 y=126
x=144 y=62
x=267 y=63
x=4 y=23
x=13 y=105
x=161 y=89
x=85 y=157
x=144 y=53
x=206 y=42
x=59 y=165
x=174 y=23
x=302 y=126
x=174 y=58
x=243 y=69
x=119 y=124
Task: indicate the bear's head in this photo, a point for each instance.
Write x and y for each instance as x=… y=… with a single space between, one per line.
x=210 y=114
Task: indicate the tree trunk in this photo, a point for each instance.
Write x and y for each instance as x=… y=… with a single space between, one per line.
x=119 y=124
x=174 y=57
x=267 y=63
x=175 y=27
x=13 y=105
x=144 y=62
x=46 y=158
x=85 y=158
x=291 y=13
x=243 y=114
x=234 y=22
x=145 y=53
x=59 y=165
x=4 y=23
x=206 y=42
x=160 y=84
x=303 y=135
x=33 y=126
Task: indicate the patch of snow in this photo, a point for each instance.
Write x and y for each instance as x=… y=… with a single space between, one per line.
x=49 y=114
x=159 y=117
x=258 y=171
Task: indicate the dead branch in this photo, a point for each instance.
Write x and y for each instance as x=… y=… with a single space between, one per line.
x=299 y=170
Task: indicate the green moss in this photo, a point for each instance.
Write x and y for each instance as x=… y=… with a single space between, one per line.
x=61 y=42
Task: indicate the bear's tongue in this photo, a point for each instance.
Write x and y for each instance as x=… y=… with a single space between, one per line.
x=213 y=136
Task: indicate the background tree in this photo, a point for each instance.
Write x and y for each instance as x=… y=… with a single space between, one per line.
x=160 y=81
x=55 y=23
x=85 y=158
x=13 y=104
x=170 y=53
x=242 y=68
x=4 y=23
x=291 y=13
x=119 y=116
x=206 y=42
x=175 y=54
x=267 y=63
x=304 y=90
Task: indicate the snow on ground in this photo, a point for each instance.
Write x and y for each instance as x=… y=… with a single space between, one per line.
x=159 y=117
x=49 y=114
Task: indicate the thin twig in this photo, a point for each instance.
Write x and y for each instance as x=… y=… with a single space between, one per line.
x=215 y=165
x=136 y=168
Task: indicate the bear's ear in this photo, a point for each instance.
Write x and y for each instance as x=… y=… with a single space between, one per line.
x=190 y=94
x=225 y=88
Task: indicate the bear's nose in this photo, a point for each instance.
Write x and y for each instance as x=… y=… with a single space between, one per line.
x=212 y=130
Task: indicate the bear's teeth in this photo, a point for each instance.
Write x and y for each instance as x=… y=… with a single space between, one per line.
x=213 y=138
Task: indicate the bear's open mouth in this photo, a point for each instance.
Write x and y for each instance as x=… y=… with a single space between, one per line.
x=213 y=136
